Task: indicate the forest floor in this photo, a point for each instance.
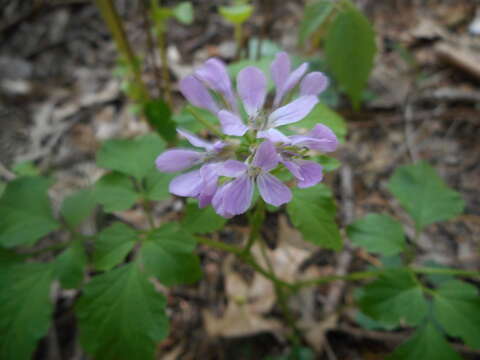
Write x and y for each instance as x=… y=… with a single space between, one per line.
x=59 y=100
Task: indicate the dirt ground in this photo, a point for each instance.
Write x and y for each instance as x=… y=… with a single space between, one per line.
x=59 y=100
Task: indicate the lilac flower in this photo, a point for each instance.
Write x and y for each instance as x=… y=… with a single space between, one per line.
x=235 y=197
x=200 y=183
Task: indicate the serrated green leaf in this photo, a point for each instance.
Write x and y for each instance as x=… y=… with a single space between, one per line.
x=115 y=191
x=457 y=308
x=168 y=254
x=78 y=206
x=350 y=50
x=157 y=185
x=424 y=195
x=427 y=343
x=159 y=117
x=378 y=233
x=314 y=16
x=25 y=309
x=324 y=115
x=200 y=221
x=70 y=265
x=25 y=212
x=313 y=211
x=121 y=316
x=394 y=298
x=183 y=12
x=112 y=245
x=236 y=14
x=135 y=157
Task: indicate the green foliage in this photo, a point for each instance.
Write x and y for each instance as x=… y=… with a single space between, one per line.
x=78 y=206
x=168 y=254
x=26 y=168
x=183 y=12
x=115 y=191
x=328 y=163
x=121 y=315
x=25 y=308
x=112 y=245
x=424 y=195
x=297 y=353
x=201 y=221
x=350 y=50
x=70 y=265
x=159 y=117
x=378 y=233
x=25 y=212
x=134 y=157
x=312 y=211
x=314 y=16
x=185 y=119
x=457 y=308
x=156 y=185
x=395 y=297
x=236 y=14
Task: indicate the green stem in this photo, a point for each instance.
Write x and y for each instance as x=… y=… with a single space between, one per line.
x=238 y=40
x=162 y=47
x=114 y=23
x=204 y=122
x=256 y=221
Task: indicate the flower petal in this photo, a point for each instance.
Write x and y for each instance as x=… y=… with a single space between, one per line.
x=280 y=69
x=188 y=184
x=197 y=94
x=231 y=168
x=195 y=140
x=272 y=190
x=313 y=84
x=311 y=173
x=266 y=156
x=294 y=168
x=291 y=82
x=274 y=136
x=294 y=111
x=218 y=203
x=238 y=196
x=209 y=187
x=231 y=123
x=320 y=138
x=252 y=88
x=177 y=160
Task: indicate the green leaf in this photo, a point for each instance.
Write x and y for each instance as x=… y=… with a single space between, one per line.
x=427 y=343
x=78 y=206
x=350 y=50
x=70 y=265
x=115 y=192
x=25 y=309
x=457 y=308
x=267 y=48
x=200 y=221
x=121 y=316
x=378 y=233
x=2 y=187
x=156 y=185
x=159 y=117
x=324 y=115
x=312 y=211
x=112 y=245
x=236 y=14
x=26 y=168
x=135 y=157
x=183 y=12
x=424 y=195
x=168 y=254
x=25 y=212
x=394 y=298
x=328 y=163
x=314 y=16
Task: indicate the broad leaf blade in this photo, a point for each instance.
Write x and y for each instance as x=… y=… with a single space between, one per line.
x=78 y=206
x=70 y=265
x=115 y=191
x=424 y=195
x=25 y=212
x=157 y=185
x=314 y=16
x=159 y=117
x=312 y=211
x=201 y=221
x=236 y=14
x=183 y=12
x=350 y=51
x=121 y=316
x=378 y=233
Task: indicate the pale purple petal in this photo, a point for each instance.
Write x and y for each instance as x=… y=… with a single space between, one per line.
x=238 y=196
x=280 y=69
x=272 y=190
x=290 y=83
x=214 y=74
x=294 y=111
x=320 y=138
x=231 y=168
x=266 y=156
x=311 y=173
x=231 y=123
x=197 y=94
x=274 y=136
x=209 y=184
x=294 y=168
x=252 y=88
x=188 y=184
x=177 y=160
x=195 y=140
x=218 y=203
x=313 y=84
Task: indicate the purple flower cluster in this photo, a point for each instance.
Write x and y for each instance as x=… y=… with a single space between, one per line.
x=226 y=174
